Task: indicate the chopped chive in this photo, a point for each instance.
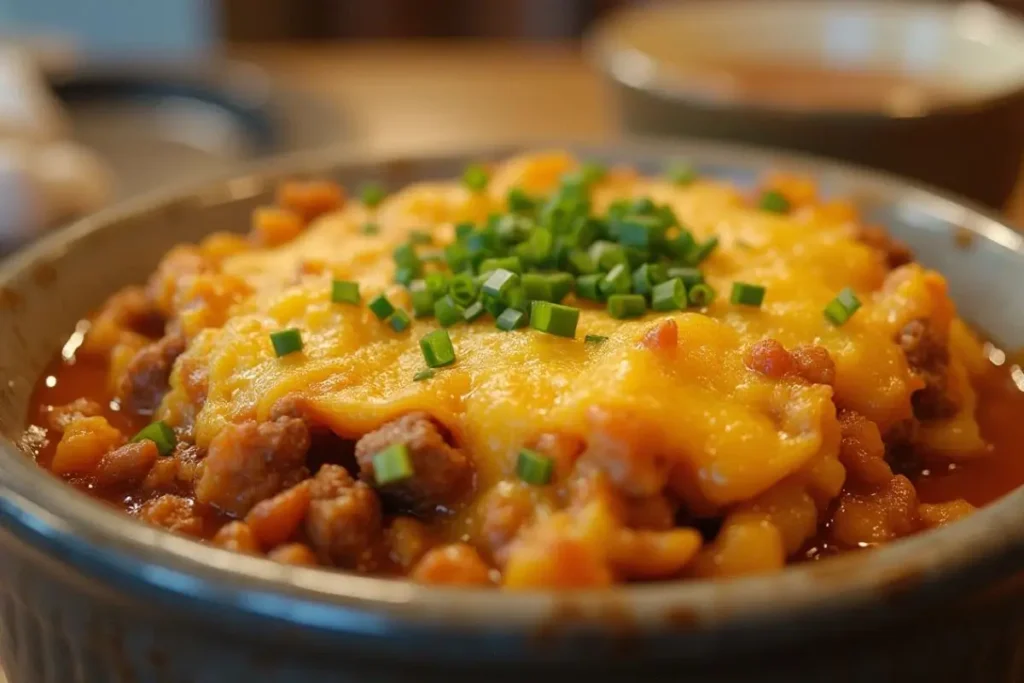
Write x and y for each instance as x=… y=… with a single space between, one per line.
x=561 y=285
x=437 y=349
x=437 y=284
x=473 y=311
x=682 y=244
x=424 y=375
x=592 y=172
x=464 y=230
x=475 y=177
x=842 y=307
x=519 y=201
x=701 y=251
x=617 y=281
x=669 y=296
x=701 y=295
x=406 y=274
x=510 y=319
x=639 y=231
x=589 y=287
x=500 y=281
x=372 y=194
x=681 y=173
x=647 y=276
x=690 y=276
x=371 y=228
x=538 y=287
x=515 y=297
x=595 y=339
x=381 y=307
x=622 y=306
x=422 y=299
x=286 y=341
x=774 y=201
x=160 y=434
x=581 y=263
x=345 y=292
x=509 y=263
x=447 y=311
x=745 y=294
x=554 y=319
x=534 y=468
x=405 y=255
x=392 y=464
x=399 y=321
x=607 y=255
x=493 y=305
x=463 y=290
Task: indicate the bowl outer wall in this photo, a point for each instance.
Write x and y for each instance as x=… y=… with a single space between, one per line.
x=44 y=290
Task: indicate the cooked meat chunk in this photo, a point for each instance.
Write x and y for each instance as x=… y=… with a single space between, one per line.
x=814 y=364
x=145 y=379
x=173 y=513
x=310 y=198
x=127 y=311
x=896 y=253
x=249 y=462
x=504 y=510
x=293 y=553
x=861 y=450
x=176 y=471
x=237 y=536
x=344 y=518
x=626 y=447
x=59 y=417
x=128 y=464
x=275 y=520
x=887 y=513
x=770 y=358
x=927 y=353
x=456 y=565
x=441 y=473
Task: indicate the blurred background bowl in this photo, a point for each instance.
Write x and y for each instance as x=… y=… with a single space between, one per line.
x=933 y=91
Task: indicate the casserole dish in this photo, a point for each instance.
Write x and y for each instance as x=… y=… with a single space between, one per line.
x=90 y=595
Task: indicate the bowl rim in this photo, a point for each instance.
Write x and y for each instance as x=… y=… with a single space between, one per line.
x=607 y=51
x=95 y=539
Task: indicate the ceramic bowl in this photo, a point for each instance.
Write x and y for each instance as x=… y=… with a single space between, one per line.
x=88 y=594
x=668 y=65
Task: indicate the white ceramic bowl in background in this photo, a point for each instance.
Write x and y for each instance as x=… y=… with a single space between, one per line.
x=657 y=59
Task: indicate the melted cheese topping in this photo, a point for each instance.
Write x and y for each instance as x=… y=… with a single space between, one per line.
x=732 y=434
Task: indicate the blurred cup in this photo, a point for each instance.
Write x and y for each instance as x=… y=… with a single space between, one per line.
x=929 y=90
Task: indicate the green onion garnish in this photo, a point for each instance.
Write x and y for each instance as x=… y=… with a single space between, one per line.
x=534 y=468
x=381 y=307
x=399 y=320
x=493 y=305
x=475 y=177
x=423 y=375
x=405 y=255
x=701 y=251
x=462 y=290
x=519 y=201
x=447 y=311
x=554 y=318
x=622 y=306
x=592 y=172
x=345 y=292
x=372 y=194
x=774 y=201
x=160 y=434
x=422 y=299
x=617 y=281
x=286 y=341
x=581 y=263
x=370 y=228
x=509 y=263
x=510 y=319
x=589 y=287
x=745 y=294
x=669 y=296
x=681 y=173
x=841 y=308
x=437 y=349
x=701 y=295
x=646 y=276
x=561 y=285
x=392 y=464
x=499 y=282
x=473 y=311
x=595 y=339
x=690 y=276
x=538 y=287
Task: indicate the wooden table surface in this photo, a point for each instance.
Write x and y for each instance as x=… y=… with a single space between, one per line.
x=431 y=95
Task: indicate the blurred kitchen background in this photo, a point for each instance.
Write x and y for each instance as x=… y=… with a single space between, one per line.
x=104 y=99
